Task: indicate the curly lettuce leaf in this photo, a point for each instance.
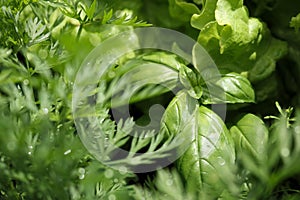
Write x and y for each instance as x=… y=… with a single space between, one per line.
x=237 y=42
x=207 y=15
x=238 y=29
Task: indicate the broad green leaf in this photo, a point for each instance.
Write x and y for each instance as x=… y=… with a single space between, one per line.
x=206 y=164
x=251 y=136
x=210 y=152
x=231 y=88
x=179 y=116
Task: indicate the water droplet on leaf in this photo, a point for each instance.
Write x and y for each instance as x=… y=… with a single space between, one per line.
x=26 y=82
x=221 y=161
x=109 y=173
x=67 y=152
x=45 y=110
x=285 y=152
x=112 y=197
x=169 y=182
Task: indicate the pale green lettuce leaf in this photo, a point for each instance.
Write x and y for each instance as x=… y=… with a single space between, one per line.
x=207 y=15
x=236 y=42
x=239 y=28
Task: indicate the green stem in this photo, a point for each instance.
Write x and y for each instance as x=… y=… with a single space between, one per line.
x=79 y=32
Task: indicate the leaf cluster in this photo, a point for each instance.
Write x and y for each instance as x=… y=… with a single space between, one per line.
x=42 y=156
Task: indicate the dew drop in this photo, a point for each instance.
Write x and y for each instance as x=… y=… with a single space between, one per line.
x=221 y=161
x=109 y=173
x=26 y=82
x=81 y=173
x=67 y=152
x=112 y=197
x=285 y=152
x=81 y=176
x=11 y=146
x=45 y=110
x=111 y=74
x=30 y=147
x=169 y=182
x=123 y=170
x=81 y=170
x=43 y=54
x=58 y=127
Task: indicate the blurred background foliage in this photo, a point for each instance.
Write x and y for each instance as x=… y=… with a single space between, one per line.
x=43 y=43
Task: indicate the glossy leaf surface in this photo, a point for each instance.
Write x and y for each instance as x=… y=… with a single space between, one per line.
x=251 y=135
x=209 y=146
x=231 y=88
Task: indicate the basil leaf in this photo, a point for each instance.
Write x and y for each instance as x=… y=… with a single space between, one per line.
x=231 y=88
x=179 y=116
x=251 y=136
x=210 y=152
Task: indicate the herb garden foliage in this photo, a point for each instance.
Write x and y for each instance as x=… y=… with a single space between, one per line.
x=256 y=46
